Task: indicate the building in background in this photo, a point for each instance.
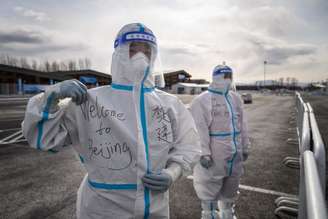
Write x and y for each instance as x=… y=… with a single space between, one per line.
x=188 y=88
x=180 y=82
x=17 y=80
x=175 y=77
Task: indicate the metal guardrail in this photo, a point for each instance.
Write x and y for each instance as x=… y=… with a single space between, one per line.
x=312 y=181
x=14 y=136
x=318 y=149
x=18 y=104
x=14 y=101
x=315 y=201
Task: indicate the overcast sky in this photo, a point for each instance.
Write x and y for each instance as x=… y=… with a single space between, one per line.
x=194 y=35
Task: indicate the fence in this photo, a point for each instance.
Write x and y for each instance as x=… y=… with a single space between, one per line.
x=12 y=109
x=310 y=202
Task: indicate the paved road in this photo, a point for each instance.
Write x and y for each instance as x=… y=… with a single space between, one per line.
x=43 y=185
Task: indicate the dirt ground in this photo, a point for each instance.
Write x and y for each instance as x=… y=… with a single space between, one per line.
x=37 y=184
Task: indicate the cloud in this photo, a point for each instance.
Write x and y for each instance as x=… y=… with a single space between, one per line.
x=37 y=42
x=22 y=36
x=192 y=35
x=177 y=51
x=277 y=52
x=40 y=49
x=37 y=15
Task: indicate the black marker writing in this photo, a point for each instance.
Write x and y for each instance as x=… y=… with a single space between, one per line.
x=90 y=110
x=103 y=130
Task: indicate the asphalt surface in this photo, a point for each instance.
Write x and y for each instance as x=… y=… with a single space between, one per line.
x=37 y=184
x=269 y=120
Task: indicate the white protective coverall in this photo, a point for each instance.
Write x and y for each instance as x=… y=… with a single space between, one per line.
x=221 y=124
x=120 y=133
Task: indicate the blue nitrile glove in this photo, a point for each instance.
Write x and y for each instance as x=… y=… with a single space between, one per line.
x=157 y=182
x=161 y=182
x=206 y=161
x=74 y=89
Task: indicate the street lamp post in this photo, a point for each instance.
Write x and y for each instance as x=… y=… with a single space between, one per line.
x=264 y=63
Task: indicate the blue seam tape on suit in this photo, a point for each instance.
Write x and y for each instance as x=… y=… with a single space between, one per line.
x=112 y=186
x=81 y=158
x=130 y=87
x=45 y=117
x=145 y=137
x=223 y=134
x=212 y=210
x=230 y=162
x=215 y=91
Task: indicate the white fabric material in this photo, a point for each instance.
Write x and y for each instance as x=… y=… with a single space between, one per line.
x=222 y=127
x=226 y=210
x=209 y=210
x=107 y=132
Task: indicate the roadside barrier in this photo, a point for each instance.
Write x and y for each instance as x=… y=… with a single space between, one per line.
x=311 y=163
x=12 y=136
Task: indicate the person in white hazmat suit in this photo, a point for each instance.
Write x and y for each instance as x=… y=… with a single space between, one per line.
x=221 y=124
x=133 y=139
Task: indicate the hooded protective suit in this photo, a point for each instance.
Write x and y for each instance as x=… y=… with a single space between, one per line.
x=222 y=128
x=121 y=132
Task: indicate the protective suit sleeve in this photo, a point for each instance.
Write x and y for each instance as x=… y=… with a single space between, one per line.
x=202 y=117
x=186 y=143
x=43 y=125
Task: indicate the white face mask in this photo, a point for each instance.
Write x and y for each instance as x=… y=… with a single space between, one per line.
x=221 y=84
x=139 y=64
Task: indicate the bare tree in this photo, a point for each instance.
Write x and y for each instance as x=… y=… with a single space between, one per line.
x=287 y=81
x=63 y=66
x=3 y=59
x=34 y=65
x=71 y=65
x=281 y=82
x=47 y=66
x=12 y=61
x=293 y=82
x=23 y=62
x=55 y=66
x=81 y=64
x=87 y=62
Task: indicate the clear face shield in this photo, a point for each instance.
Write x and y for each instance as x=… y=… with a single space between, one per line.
x=136 y=58
x=229 y=76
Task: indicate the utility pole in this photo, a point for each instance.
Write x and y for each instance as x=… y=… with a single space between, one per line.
x=264 y=63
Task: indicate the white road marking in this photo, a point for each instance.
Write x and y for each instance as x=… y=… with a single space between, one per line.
x=8 y=130
x=259 y=190
x=265 y=191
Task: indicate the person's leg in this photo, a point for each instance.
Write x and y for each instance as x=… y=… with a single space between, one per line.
x=227 y=210
x=227 y=197
x=209 y=210
x=207 y=186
